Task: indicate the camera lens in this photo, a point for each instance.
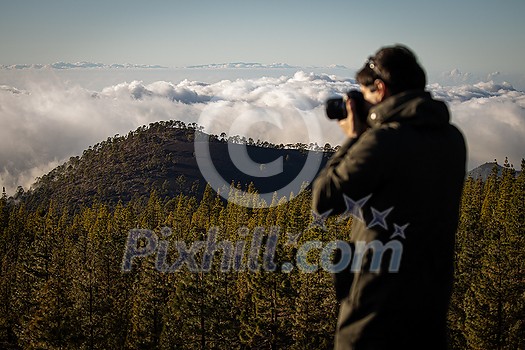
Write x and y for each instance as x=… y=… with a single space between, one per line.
x=336 y=108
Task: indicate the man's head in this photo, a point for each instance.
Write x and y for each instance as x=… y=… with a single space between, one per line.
x=393 y=69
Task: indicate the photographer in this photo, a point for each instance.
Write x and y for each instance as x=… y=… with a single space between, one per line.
x=400 y=175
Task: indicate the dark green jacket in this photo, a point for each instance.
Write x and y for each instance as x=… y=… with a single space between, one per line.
x=412 y=162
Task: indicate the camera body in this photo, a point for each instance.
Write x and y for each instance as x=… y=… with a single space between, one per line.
x=336 y=107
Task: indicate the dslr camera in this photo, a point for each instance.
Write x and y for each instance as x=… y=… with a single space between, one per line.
x=336 y=107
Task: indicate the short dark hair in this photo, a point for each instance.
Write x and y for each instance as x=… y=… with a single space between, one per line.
x=397 y=66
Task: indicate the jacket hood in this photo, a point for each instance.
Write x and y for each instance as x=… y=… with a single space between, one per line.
x=415 y=107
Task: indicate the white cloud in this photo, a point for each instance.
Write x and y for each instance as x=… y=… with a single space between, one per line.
x=455 y=76
x=492 y=117
x=44 y=124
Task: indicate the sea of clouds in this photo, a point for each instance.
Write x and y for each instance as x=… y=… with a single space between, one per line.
x=45 y=122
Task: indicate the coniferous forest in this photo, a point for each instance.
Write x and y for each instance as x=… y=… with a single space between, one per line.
x=63 y=286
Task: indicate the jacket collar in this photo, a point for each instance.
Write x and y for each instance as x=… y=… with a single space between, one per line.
x=415 y=106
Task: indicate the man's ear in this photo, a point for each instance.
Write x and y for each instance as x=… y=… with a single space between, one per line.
x=381 y=88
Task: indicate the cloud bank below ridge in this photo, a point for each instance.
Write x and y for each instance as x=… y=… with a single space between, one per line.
x=44 y=124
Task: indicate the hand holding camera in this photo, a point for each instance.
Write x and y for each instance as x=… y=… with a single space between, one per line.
x=351 y=111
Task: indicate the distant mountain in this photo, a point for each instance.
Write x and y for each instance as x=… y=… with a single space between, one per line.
x=80 y=65
x=231 y=65
x=337 y=66
x=158 y=158
x=243 y=65
x=483 y=171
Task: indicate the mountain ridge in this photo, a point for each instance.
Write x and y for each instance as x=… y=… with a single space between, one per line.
x=484 y=170
x=81 y=65
x=161 y=158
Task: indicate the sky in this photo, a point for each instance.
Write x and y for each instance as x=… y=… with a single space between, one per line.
x=472 y=51
x=478 y=36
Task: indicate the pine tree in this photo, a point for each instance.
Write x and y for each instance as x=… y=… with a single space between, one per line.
x=12 y=236
x=35 y=274
x=516 y=229
x=513 y=279
x=480 y=297
x=123 y=220
x=494 y=297
x=468 y=254
x=54 y=323
x=152 y=217
x=147 y=305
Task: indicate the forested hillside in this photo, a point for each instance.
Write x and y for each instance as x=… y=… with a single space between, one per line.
x=63 y=245
x=488 y=304
x=62 y=285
